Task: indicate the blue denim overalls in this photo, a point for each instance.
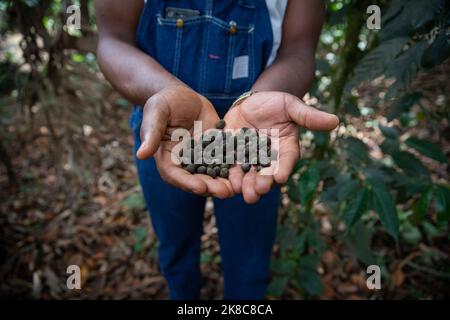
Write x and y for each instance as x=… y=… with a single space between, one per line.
x=220 y=54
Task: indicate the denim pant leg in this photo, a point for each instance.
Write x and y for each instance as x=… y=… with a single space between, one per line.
x=246 y=235
x=177 y=218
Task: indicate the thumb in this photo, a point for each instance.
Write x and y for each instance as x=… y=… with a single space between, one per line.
x=154 y=124
x=310 y=117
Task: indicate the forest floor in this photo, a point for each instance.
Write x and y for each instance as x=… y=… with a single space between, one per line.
x=78 y=202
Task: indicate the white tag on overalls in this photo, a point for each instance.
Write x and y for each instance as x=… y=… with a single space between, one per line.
x=240 y=67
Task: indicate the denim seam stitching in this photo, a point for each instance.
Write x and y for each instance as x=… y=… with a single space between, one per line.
x=177 y=56
x=251 y=56
x=229 y=64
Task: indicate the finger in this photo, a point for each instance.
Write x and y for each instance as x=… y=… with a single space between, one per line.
x=263 y=183
x=309 y=117
x=219 y=187
x=182 y=179
x=176 y=176
x=154 y=124
x=288 y=156
x=208 y=115
x=235 y=177
x=248 y=187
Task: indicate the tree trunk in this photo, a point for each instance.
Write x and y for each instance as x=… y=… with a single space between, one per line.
x=6 y=160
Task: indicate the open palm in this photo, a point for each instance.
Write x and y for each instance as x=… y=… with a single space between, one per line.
x=274 y=110
x=171 y=109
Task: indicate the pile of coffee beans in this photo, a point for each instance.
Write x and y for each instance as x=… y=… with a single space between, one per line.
x=218 y=150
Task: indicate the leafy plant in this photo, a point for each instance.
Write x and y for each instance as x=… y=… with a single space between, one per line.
x=341 y=172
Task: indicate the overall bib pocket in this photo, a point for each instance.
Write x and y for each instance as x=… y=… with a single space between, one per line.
x=229 y=58
x=213 y=56
x=177 y=44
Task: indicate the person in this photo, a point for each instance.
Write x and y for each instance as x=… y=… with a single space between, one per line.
x=182 y=61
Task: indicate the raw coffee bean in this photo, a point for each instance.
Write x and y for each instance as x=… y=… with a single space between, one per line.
x=201 y=170
x=220 y=124
x=218 y=134
x=185 y=161
x=265 y=141
x=273 y=154
x=240 y=153
x=247 y=150
x=265 y=165
x=191 y=168
x=224 y=165
x=229 y=159
x=191 y=144
x=262 y=141
x=192 y=155
x=229 y=137
x=211 y=172
x=265 y=161
x=246 y=167
x=258 y=168
x=197 y=153
x=217 y=170
x=223 y=173
x=235 y=141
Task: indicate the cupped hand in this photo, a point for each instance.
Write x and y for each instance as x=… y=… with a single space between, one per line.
x=274 y=110
x=170 y=109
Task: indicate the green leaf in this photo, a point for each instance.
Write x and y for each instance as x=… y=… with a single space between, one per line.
x=277 y=286
x=321 y=138
x=405 y=66
x=141 y=233
x=389 y=132
x=402 y=105
x=32 y=3
x=375 y=63
x=442 y=202
x=359 y=240
x=282 y=266
x=308 y=278
x=410 y=233
x=351 y=107
x=430 y=230
x=78 y=57
x=409 y=163
x=421 y=12
x=300 y=243
x=357 y=151
x=286 y=236
x=384 y=205
x=422 y=204
x=311 y=283
x=427 y=149
x=121 y=102
x=393 y=10
x=308 y=184
x=438 y=52
x=206 y=257
x=293 y=190
x=138 y=247
x=356 y=207
x=390 y=146
x=410 y=16
x=346 y=188
x=134 y=201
